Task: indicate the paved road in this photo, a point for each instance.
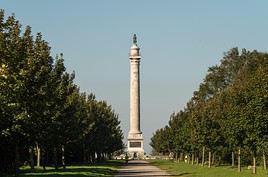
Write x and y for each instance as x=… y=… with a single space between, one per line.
x=140 y=168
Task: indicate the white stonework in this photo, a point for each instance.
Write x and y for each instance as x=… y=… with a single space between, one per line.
x=135 y=138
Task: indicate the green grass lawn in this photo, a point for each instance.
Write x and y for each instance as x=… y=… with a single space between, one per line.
x=104 y=169
x=187 y=170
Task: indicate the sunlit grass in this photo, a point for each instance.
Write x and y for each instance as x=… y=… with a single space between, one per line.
x=103 y=169
x=187 y=170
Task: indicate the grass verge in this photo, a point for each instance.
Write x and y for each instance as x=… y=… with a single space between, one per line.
x=187 y=170
x=108 y=168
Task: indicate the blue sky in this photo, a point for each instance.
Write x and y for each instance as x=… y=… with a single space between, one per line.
x=179 y=40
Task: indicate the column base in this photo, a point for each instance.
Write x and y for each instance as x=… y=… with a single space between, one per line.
x=135 y=146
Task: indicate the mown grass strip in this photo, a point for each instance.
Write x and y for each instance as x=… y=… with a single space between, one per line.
x=187 y=170
x=108 y=168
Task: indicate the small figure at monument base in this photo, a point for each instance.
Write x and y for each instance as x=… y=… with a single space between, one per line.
x=126 y=158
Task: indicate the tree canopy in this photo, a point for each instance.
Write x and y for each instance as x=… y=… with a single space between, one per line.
x=42 y=108
x=229 y=111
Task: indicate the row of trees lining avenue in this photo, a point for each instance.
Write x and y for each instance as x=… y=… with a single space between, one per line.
x=226 y=120
x=44 y=118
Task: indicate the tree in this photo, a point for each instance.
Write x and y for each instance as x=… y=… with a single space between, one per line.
x=228 y=112
x=41 y=106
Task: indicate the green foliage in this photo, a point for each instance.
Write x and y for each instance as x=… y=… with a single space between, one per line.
x=229 y=111
x=41 y=105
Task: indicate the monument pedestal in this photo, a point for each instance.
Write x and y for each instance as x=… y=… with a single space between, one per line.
x=135 y=146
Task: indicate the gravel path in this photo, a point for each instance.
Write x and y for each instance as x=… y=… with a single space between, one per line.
x=140 y=168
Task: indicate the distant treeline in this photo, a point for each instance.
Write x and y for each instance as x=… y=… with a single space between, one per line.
x=226 y=120
x=44 y=118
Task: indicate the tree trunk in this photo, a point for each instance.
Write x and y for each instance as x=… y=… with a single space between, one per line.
x=254 y=164
x=213 y=159
x=93 y=157
x=43 y=159
x=219 y=159
x=17 y=160
x=203 y=156
x=55 y=154
x=63 y=157
x=98 y=157
x=189 y=158
x=193 y=158
x=238 y=161
x=110 y=156
x=232 y=158
x=264 y=160
x=181 y=156
x=177 y=155
x=103 y=157
x=209 y=159
x=31 y=159
x=84 y=154
x=47 y=157
x=197 y=160
x=38 y=155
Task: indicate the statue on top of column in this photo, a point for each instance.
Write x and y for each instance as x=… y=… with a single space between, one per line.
x=135 y=39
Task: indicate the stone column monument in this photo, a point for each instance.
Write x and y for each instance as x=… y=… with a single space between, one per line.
x=135 y=138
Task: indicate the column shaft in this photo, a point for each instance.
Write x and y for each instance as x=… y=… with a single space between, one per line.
x=134 y=96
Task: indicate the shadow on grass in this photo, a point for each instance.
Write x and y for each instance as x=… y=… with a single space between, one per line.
x=73 y=172
x=100 y=169
x=112 y=163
